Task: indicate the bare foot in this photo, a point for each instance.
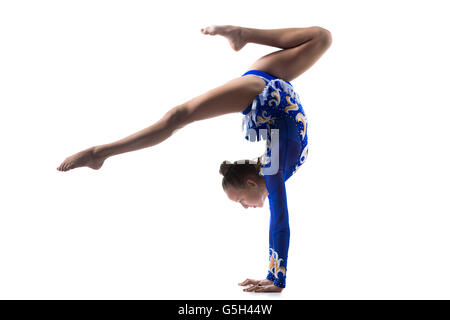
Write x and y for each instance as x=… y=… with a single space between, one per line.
x=232 y=33
x=85 y=158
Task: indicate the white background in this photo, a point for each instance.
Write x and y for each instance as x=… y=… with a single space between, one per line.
x=369 y=211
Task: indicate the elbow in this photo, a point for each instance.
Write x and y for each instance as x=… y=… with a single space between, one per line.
x=282 y=231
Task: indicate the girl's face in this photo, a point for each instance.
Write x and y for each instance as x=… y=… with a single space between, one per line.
x=250 y=197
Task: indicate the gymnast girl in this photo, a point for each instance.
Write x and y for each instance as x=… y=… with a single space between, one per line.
x=271 y=111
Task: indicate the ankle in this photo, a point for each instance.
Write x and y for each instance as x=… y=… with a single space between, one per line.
x=244 y=33
x=100 y=152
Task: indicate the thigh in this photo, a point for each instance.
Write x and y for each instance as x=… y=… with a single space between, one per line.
x=288 y=64
x=233 y=96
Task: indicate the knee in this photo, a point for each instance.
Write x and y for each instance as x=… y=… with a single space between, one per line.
x=177 y=117
x=324 y=36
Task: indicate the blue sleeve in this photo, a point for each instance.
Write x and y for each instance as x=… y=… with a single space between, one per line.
x=279 y=228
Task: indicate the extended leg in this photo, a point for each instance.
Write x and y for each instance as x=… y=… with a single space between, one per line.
x=233 y=96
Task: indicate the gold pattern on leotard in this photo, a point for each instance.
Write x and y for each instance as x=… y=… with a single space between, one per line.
x=291 y=106
x=276 y=95
x=274 y=265
x=300 y=117
x=264 y=118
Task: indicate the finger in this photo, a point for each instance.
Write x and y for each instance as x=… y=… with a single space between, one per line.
x=251 y=289
x=266 y=281
x=270 y=288
x=247 y=282
x=263 y=289
x=243 y=283
x=262 y=286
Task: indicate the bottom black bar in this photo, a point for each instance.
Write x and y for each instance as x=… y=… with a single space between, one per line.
x=224 y=309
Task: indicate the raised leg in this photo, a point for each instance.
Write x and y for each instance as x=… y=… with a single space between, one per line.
x=302 y=47
x=283 y=38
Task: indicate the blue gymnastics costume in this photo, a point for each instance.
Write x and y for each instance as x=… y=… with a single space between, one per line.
x=277 y=107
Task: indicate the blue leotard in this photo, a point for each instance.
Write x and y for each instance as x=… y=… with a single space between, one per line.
x=277 y=107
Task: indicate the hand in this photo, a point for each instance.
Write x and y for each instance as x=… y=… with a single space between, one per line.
x=263 y=282
x=264 y=285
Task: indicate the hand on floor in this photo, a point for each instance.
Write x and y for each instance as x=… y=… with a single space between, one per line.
x=264 y=285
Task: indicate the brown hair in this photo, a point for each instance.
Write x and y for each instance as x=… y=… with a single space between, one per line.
x=235 y=174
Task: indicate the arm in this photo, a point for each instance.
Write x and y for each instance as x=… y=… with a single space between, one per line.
x=279 y=232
